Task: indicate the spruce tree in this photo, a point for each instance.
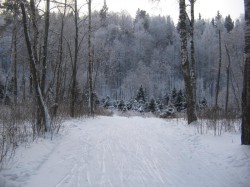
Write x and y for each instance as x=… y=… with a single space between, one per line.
x=140 y=97
x=152 y=105
x=121 y=105
x=173 y=96
x=229 y=24
x=103 y=14
x=166 y=99
x=180 y=101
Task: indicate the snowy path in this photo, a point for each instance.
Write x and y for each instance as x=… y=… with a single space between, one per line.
x=136 y=152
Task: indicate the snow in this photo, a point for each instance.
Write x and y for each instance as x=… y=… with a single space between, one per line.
x=135 y=151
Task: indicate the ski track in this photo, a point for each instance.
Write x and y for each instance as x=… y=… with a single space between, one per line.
x=132 y=152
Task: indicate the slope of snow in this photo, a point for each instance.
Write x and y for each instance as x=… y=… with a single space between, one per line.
x=123 y=152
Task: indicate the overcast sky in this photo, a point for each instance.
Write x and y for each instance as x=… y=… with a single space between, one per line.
x=207 y=8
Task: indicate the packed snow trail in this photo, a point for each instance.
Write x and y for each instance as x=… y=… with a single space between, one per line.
x=131 y=152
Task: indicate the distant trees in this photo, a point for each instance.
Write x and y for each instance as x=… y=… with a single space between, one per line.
x=245 y=136
x=126 y=52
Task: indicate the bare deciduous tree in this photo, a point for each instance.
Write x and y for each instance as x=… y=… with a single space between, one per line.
x=33 y=63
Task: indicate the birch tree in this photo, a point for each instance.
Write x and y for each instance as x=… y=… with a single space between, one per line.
x=193 y=66
x=191 y=112
x=33 y=64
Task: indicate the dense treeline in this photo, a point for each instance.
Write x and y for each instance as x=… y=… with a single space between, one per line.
x=127 y=52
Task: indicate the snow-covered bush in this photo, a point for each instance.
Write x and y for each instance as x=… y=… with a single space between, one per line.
x=168 y=113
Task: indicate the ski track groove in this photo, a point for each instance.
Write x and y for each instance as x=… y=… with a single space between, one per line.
x=135 y=152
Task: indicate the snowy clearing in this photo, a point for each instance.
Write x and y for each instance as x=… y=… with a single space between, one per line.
x=120 y=151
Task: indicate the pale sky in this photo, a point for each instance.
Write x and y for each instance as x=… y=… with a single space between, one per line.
x=207 y=8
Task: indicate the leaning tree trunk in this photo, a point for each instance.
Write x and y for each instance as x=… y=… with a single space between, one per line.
x=245 y=136
x=33 y=62
x=191 y=112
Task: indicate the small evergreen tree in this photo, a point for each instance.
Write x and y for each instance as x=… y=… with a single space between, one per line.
x=212 y=22
x=173 y=96
x=152 y=105
x=180 y=101
x=129 y=104
x=166 y=99
x=159 y=104
x=107 y=103
x=140 y=97
x=229 y=24
x=121 y=105
x=103 y=14
x=203 y=103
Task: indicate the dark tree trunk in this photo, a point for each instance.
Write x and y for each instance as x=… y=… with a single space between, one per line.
x=228 y=78
x=91 y=95
x=193 y=65
x=191 y=112
x=59 y=69
x=73 y=90
x=219 y=72
x=245 y=136
x=24 y=84
x=45 y=47
x=14 y=56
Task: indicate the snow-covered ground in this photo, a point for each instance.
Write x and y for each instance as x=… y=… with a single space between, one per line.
x=123 y=152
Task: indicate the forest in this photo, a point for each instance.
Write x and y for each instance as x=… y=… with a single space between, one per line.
x=64 y=59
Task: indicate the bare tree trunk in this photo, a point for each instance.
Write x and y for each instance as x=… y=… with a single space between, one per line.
x=33 y=62
x=245 y=135
x=33 y=15
x=31 y=84
x=35 y=30
x=228 y=77
x=73 y=90
x=14 y=56
x=191 y=112
x=59 y=69
x=45 y=47
x=24 y=84
x=219 y=72
x=193 y=65
x=91 y=95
